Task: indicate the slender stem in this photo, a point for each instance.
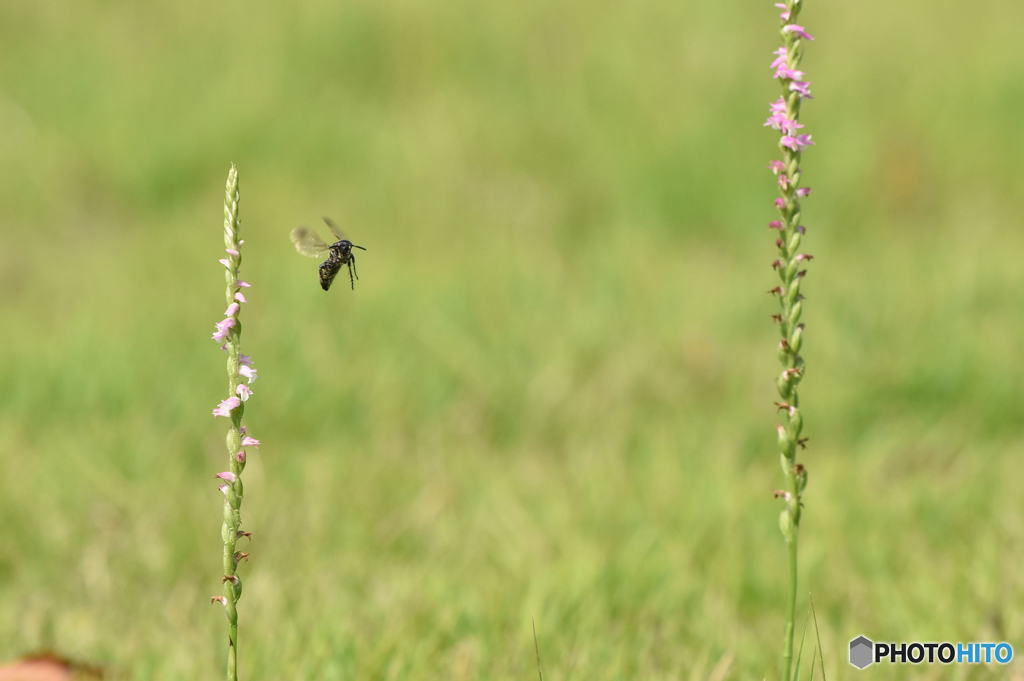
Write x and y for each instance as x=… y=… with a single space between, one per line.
x=787 y=660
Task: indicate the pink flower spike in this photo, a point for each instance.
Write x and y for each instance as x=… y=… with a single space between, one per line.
x=803 y=191
x=798 y=31
x=232 y=310
x=240 y=297
x=243 y=284
x=231 y=251
x=803 y=87
x=224 y=261
x=240 y=456
x=776 y=166
x=247 y=371
x=226 y=475
x=225 y=407
x=250 y=442
x=244 y=392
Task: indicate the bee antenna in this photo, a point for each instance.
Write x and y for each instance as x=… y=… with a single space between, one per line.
x=360 y=247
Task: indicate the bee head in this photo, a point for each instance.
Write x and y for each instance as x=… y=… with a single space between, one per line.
x=345 y=246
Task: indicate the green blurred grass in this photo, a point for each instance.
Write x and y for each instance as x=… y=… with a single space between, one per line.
x=549 y=397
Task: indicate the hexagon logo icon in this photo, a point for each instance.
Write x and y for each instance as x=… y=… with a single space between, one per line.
x=861 y=652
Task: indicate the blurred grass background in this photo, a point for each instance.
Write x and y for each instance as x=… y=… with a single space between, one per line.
x=549 y=398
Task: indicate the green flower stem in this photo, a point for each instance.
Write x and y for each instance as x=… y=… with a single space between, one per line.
x=233 y=493
x=788 y=266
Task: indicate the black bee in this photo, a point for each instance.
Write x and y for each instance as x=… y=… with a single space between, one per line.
x=338 y=254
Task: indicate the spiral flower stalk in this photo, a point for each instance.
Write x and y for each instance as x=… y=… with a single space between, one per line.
x=241 y=375
x=784 y=116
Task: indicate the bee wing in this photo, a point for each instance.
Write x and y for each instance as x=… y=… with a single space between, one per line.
x=308 y=243
x=334 y=228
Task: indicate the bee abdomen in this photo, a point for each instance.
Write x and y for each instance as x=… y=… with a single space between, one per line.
x=328 y=270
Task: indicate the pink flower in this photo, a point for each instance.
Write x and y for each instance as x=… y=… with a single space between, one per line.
x=223 y=326
x=797 y=143
x=224 y=261
x=778 y=106
x=775 y=121
x=219 y=599
x=803 y=87
x=776 y=166
x=779 y=203
x=788 y=73
x=240 y=297
x=785 y=11
x=226 y=475
x=231 y=251
x=775 y=224
x=803 y=191
x=245 y=359
x=780 y=57
x=798 y=31
x=783 y=180
x=248 y=372
x=250 y=442
x=240 y=456
x=244 y=392
x=232 y=310
x=225 y=407
x=243 y=284
x=790 y=126
x=782 y=123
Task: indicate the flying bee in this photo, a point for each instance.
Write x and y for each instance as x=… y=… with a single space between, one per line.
x=338 y=254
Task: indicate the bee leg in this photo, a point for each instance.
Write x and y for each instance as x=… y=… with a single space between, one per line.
x=351 y=280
